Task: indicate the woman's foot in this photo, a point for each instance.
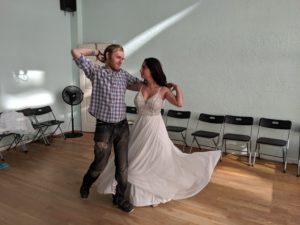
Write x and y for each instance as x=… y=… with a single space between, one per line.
x=154 y=205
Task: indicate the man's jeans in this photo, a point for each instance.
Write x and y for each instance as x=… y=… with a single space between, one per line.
x=106 y=136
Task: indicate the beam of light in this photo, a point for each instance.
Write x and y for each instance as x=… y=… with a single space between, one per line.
x=30 y=77
x=27 y=99
x=141 y=39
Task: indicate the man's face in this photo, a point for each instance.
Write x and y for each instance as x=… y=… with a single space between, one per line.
x=116 y=59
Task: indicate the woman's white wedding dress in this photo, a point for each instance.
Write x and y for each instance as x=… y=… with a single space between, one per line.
x=157 y=170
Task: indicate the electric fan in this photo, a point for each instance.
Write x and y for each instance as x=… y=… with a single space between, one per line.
x=72 y=95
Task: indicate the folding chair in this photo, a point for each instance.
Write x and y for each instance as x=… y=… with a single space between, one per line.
x=238 y=128
x=4 y=136
x=211 y=128
x=131 y=112
x=40 y=128
x=44 y=116
x=180 y=117
x=17 y=138
x=283 y=128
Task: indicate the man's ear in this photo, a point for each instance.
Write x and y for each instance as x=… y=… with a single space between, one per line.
x=107 y=56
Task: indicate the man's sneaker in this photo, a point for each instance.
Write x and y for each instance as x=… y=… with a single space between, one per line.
x=126 y=206
x=84 y=191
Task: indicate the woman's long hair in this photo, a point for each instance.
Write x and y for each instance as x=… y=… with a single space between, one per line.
x=156 y=70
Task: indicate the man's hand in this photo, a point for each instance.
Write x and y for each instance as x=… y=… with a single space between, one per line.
x=99 y=56
x=171 y=86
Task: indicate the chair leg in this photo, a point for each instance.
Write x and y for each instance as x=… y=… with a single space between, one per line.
x=285 y=160
x=283 y=155
x=58 y=128
x=43 y=131
x=20 y=141
x=221 y=156
x=254 y=157
x=191 y=147
x=185 y=144
x=62 y=132
x=198 y=144
x=1 y=156
x=298 y=169
x=249 y=153
x=222 y=147
x=258 y=151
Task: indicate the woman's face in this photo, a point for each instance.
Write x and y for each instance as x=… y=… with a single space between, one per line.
x=145 y=72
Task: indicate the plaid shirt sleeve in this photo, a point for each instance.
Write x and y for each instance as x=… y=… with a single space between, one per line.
x=89 y=68
x=131 y=79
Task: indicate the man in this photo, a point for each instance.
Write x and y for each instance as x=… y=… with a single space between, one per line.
x=109 y=84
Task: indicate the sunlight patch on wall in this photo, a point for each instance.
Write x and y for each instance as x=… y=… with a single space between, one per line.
x=29 y=77
x=141 y=39
x=23 y=100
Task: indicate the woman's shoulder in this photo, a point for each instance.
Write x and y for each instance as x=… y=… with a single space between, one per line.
x=164 y=89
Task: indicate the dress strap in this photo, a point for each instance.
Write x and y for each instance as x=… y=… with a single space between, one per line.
x=158 y=90
x=141 y=88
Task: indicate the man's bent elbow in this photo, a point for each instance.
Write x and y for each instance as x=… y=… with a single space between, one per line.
x=74 y=53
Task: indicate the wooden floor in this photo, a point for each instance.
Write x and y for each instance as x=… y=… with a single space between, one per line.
x=42 y=187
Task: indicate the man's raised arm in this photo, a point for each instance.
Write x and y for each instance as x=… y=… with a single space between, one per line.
x=77 y=52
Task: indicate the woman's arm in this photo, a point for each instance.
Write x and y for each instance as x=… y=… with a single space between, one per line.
x=175 y=99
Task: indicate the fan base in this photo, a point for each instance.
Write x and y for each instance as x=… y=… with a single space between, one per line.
x=73 y=134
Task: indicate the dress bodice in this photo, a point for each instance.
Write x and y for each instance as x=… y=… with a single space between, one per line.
x=149 y=107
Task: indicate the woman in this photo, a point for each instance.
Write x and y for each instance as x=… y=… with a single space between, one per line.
x=157 y=170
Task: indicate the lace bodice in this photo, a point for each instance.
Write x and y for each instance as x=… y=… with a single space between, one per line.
x=149 y=107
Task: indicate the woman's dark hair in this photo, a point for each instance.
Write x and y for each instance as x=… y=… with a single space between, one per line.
x=156 y=70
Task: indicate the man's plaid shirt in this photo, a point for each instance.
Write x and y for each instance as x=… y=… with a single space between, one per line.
x=108 y=90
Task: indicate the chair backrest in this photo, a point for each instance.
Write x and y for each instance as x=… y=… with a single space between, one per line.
x=42 y=110
x=208 y=118
x=209 y=122
x=178 y=118
x=238 y=125
x=280 y=128
x=275 y=124
x=26 y=112
x=179 y=114
x=43 y=114
x=131 y=109
x=239 y=120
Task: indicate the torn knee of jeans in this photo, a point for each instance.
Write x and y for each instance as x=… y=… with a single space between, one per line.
x=102 y=145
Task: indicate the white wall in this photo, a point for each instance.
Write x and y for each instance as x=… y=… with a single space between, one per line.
x=36 y=38
x=230 y=57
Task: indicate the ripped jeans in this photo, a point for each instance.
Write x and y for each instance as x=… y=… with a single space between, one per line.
x=106 y=136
